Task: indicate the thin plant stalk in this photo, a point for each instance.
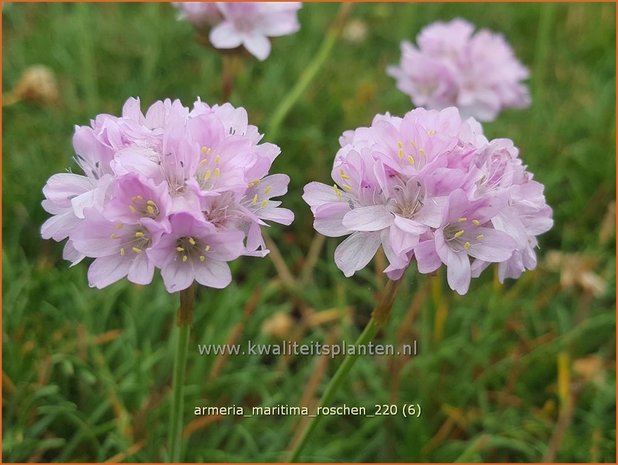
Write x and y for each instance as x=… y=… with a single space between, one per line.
x=378 y=319
x=309 y=72
x=286 y=104
x=231 y=63
x=183 y=323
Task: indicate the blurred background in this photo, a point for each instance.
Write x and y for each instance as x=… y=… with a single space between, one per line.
x=519 y=373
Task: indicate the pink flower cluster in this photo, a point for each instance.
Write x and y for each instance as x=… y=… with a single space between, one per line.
x=184 y=190
x=478 y=73
x=430 y=187
x=247 y=24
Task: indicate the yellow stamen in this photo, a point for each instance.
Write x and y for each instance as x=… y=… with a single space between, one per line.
x=410 y=159
x=150 y=209
x=254 y=201
x=264 y=203
x=218 y=159
x=136 y=250
x=337 y=191
x=267 y=190
x=122 y=251
x=180 y=249
x=135 y=198
x=253 y=183
x=139 y=234
x=343 y=175
x=467 y=245
x=207 y=248
x=459 y=233
x=217 y=172
x=206 y=150
x=431 y=132
x=480 y=237
x=207 y=175
x=151 y=202
x=400 y=149
x=184 y=258
x=119 y=226
x=421 y=152
x=463 y=219
x=476 y=222
x=113 y=236
x=133 y=209
x=347 y=187
x=192 y=241
x=203 y=161
x=202 y=258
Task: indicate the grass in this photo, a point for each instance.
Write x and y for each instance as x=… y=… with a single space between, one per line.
x=520 y=372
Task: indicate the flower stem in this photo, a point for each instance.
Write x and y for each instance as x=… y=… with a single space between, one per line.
x=378 y=319
x=309 y=72
x=228 y=75
x=183 y=322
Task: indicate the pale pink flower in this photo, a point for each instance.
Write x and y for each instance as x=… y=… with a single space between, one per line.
x=243 y=24
x=430 y=187
x=150 y=178
x=453 y=66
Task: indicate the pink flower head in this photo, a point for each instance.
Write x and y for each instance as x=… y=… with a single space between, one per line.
x=429 y=186
x=246 y=24
x=151 y=180
x=453 y=66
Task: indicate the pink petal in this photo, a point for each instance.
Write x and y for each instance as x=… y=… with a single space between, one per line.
x=58 y=227
x=427 y=258
x=177 y=276
x=373 y=218
x=213 y=273
x=432 y=212
x=107 y=270
x=356 y=251
x=317 y=193
x=225 y=35
x=329 y=219
x=141 y=271
x=278 y=215
x=495 y=246
x=458 y=271
x=258 y=45
x=410 y=226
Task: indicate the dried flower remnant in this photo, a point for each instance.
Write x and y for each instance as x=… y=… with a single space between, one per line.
x=37 y=84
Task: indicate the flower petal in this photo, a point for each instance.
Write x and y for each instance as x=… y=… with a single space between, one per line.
x=427 y=258
x=258 y=45
x=225 y=35
x=458 y=271
x=177 y=276
x=213 y=273
x=317 y=194
x=107 y=270
x=372 y=218
x=356 y=251
x=495 y=246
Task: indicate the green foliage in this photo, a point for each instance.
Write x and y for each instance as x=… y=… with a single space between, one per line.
x=86 y=373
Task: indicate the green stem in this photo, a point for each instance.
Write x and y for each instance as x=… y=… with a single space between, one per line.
x=378 y=319
x=230 y=68
x=309 y=73
x=543 y=47
x=183 y=321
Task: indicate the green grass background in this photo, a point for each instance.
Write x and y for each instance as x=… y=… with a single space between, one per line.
x=487 y=376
